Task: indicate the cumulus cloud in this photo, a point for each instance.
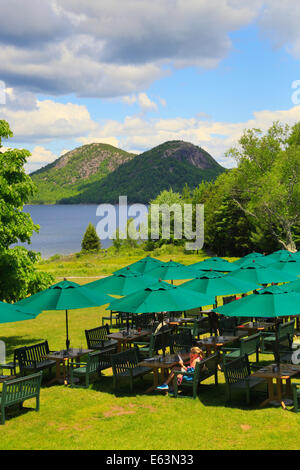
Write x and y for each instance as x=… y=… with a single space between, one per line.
x=112 y=48
x=48 y=120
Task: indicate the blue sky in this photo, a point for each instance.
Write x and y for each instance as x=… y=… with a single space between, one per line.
x=137 y=73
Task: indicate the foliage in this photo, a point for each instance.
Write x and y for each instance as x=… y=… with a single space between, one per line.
x=171 y=209
x=91 y=241
x=18 y=275
x=266 y=183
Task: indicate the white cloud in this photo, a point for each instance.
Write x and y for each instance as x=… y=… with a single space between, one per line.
x=112 y=48
x=280 y=21
x=48 y=120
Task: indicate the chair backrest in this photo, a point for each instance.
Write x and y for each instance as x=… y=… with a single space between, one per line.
x=250 y=344
x=207 y=367
x=24 y=387
x=36 y=352
x=182 y=341
x=124 y=360
x=286 y=329
x=236 y=370
x=227 y=326
x=282 y=346
x=28 y=355
x=144 y=320
x=201 y=326
x=96 y=335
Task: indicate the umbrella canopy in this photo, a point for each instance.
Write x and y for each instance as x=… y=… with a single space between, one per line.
x=290 y=265
x=214 y=283
x=250 y=257
x=142 y=266
x=124 y=283
x=64 y=295
x=161 y=297
x=271 y=302
x=171 y=271
x=280 y=255
x=258 y=273
x=11 y=313
x=214 y=264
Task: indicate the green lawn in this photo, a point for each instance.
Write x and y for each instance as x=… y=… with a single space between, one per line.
x=98 y=419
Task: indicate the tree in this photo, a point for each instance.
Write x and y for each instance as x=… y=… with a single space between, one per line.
x=266 y=183
x=18 y=274
x=91 y=241
x=170 y=216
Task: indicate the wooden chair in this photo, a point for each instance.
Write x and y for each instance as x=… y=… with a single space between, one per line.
x=203 y=370
x=238 y=377
x=125 y=367
x=16 y=391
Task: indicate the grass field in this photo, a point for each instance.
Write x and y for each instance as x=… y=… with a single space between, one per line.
x=98 y=419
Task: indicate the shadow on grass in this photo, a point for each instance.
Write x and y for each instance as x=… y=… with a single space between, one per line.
x=16 y=410
x=14 y=342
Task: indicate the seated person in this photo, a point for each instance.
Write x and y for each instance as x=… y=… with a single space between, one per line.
x=196 y=355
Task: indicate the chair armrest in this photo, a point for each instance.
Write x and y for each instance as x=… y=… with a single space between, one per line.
x=76 y=365
x=230 y=349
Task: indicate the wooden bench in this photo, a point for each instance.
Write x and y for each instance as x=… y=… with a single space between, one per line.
x=96 y=362
x=203 y=370
x=124 y=365
x=18 y=390
x=32 y=358
x=97 y=339
x=248 y=346
x=238 y=377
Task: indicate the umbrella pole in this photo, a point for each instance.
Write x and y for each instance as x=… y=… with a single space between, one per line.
x=67 y=332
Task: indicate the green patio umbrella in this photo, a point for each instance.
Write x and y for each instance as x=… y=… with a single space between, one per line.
x=10 y=313
x=161 y=297
x=219 y=284
x=271 y=302
x=290 y=265
x=64 y=295
x=279 y=255
x=142 y=266
x=214 y=264
x=250 y=257
x=258 y=273
x=171 y=271
x=122 y=284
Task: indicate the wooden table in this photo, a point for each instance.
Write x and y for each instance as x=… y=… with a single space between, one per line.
x=62 y=359
x=125 y=341
x=286 y=372
x=215 y=342
x=255 y=327
x=164 y=364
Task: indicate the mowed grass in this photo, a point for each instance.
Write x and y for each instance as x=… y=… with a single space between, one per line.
x=96 y=418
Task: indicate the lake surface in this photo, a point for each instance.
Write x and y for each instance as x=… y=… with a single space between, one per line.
x=62 y=227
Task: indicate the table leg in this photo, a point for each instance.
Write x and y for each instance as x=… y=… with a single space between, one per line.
x=279 y=393
x=270 y=393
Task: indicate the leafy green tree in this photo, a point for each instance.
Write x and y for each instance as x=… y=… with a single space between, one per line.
x=91 y=241
x=267 y=180
x=18 y=274
x=168 y=200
